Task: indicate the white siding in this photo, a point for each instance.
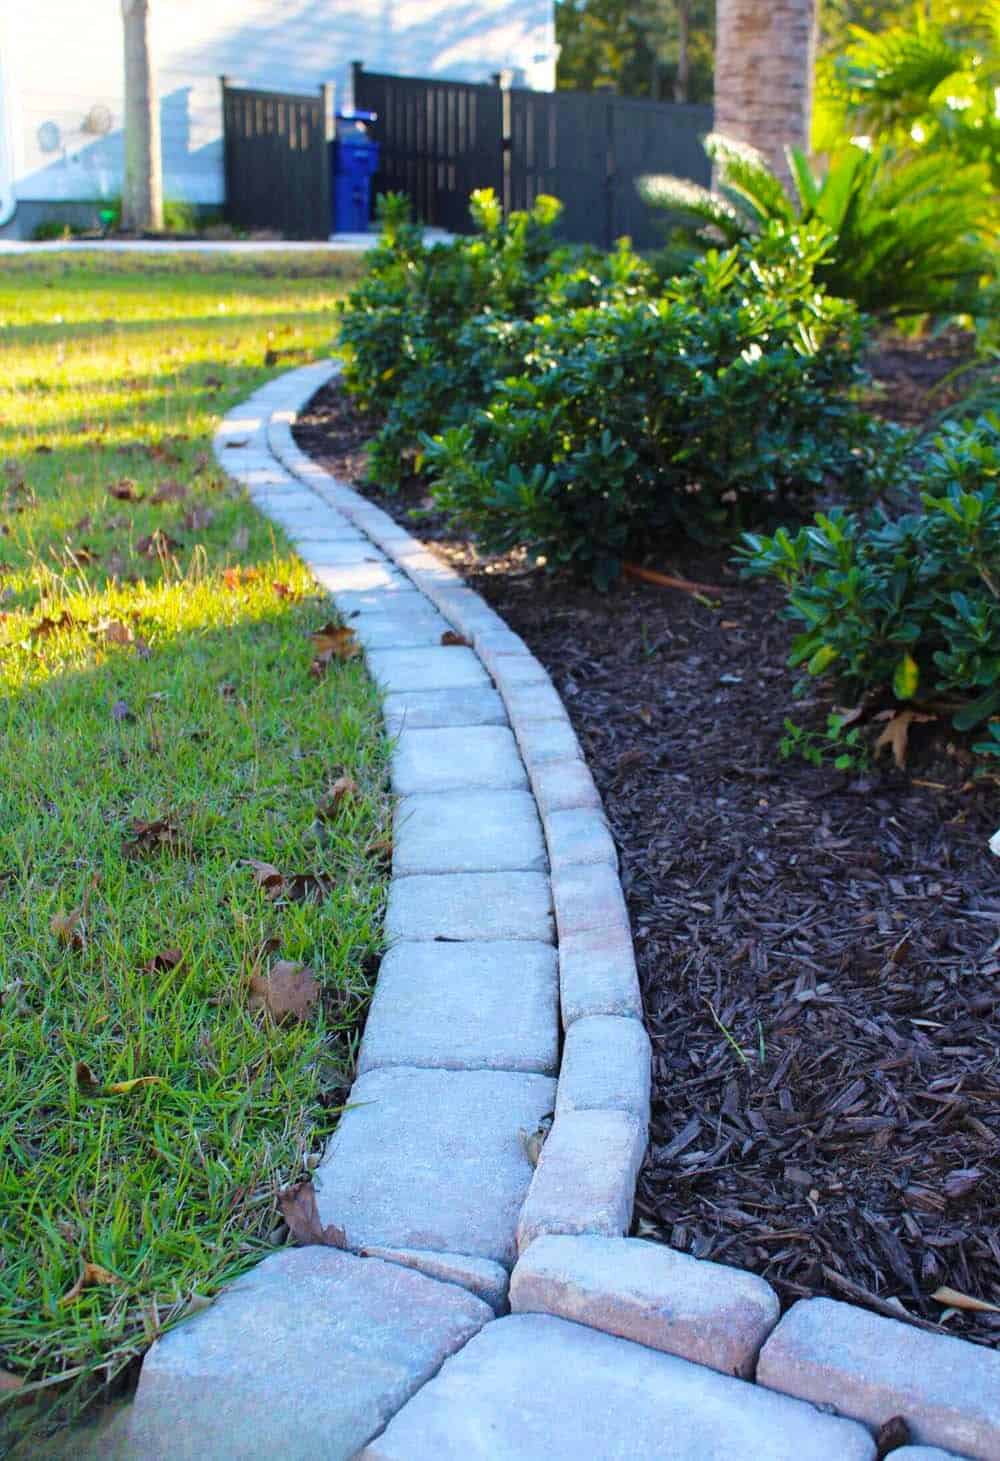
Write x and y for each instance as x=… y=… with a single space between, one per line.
x=64 y=57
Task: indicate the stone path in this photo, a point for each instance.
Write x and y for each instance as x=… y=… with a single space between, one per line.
x=488 y=1308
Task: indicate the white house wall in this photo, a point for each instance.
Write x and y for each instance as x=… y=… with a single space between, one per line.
x=64 y=57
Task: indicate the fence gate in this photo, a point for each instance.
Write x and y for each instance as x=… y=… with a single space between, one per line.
x=440 y=141
x=277 y=160
x=589 y=150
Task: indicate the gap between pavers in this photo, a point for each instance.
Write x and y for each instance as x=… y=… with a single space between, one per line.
x=531 y=1386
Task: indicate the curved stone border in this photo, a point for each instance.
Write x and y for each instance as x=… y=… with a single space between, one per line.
x=499 y=826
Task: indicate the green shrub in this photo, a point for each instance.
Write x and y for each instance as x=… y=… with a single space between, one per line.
x=430 y=330
x=910 y=235
x=907 y=602
x=698 y=411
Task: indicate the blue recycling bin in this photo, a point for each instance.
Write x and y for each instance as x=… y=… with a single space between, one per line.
x=355 y=163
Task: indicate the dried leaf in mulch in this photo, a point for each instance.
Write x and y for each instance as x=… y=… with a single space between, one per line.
x=158 y=835
x=287 y=992
x=896 y=734
x=331 y=803
x=92 y=1275
x=298 y=1208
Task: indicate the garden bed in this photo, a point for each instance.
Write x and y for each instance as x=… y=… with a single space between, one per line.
x=818 y=949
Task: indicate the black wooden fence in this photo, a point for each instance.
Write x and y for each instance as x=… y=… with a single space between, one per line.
x=442 y=139
x=277 y=160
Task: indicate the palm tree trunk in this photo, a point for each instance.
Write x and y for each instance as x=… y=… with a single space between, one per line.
x=142 y=192
x=763 y=74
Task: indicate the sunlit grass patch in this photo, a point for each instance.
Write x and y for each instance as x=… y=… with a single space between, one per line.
x=160 y=731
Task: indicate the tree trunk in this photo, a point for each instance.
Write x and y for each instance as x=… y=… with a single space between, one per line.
x=142 y=192
x=681 y=81
x=764 y=57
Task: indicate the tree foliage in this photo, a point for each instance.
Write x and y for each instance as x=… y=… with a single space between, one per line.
x=637 y=47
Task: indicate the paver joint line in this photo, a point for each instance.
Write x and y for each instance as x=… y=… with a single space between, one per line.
x=500 y=834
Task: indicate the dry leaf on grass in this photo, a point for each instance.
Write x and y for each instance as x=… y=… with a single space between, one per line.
x=298 y=1208
x=159 y=835
x=48 y=625
x=169 y=491
x=115 y=632
x=332 y=641
x=67 y=927
x=288 y=992
x=452 y=637
x=156 y=544
x=163 y=962
x=896 y=734
x=344 y=789
x=198 y=518
x=955 y=1299
x=88 y=1084
x=91 y=1276
x=268 y=877
x=125 y=491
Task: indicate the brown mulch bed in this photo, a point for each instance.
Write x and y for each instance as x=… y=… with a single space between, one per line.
x=819 y=951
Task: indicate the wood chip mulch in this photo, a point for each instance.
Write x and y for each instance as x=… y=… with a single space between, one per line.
x=819 y=951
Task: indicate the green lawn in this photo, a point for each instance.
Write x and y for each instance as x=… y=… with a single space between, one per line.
x=143 y=683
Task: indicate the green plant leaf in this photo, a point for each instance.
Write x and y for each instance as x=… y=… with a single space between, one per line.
x=906 y=678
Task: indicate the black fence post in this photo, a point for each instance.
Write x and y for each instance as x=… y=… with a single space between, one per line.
x=356 y=69
x=325 y=153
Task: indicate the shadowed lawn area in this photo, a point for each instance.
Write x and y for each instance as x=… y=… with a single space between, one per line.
x=159 y=726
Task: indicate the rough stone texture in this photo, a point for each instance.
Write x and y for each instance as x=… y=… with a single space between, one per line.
x=333 y=552
x=487 y=1280
x=422 y=709
x=306 y=533
x=345 y=578
x=491 y=642
x=530 y=1387
x=585 y=1178
x=465 y=1006
x=372 y=600
x=530 y=703
x=579 y=835
x=542 y=741
x=308 y=1355
x=286 y=507
x=515 y=670
x=410 y=628
x=562 y=785
x=470 y=906
x=702 y=1311
x=605 y=1066
x=925 y=1453
x=947 y=1390
x=597 y=975
x=586 y=896
x=468 y=831
x=440 y=668
x=463 y=758
x=433 y=1159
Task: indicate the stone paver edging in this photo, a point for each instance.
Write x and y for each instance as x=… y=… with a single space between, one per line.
x=509 y=939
